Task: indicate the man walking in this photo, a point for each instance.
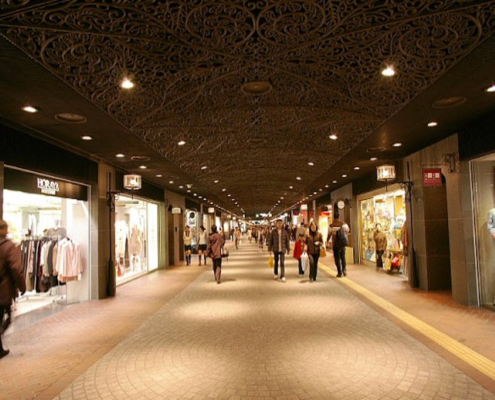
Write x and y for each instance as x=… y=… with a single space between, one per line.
x=11 y=277
x=279 y=243
x=339 y=230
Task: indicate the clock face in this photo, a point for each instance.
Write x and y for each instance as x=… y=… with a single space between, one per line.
x=340 y=204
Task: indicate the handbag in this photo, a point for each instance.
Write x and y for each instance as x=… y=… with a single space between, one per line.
x=271 y=262
x=323 y=251
x=224 y=252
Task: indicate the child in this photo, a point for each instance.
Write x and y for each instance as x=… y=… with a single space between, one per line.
x=299 y=248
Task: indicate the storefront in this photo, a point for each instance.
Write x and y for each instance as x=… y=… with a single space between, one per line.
x=483 y=179
x=49 y=218
x=388 y=209
x=136 y=237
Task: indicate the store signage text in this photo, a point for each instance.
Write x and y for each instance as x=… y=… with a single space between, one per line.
x=47 y=186
x=432 y=177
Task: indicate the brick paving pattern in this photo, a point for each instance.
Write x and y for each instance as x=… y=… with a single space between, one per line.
x=255 y=338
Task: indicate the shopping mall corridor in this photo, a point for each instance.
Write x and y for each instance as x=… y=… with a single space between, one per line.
x=176 y=334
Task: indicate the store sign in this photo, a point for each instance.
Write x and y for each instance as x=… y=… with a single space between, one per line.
x=432 y=177
x=22 y=181
x=47 y=186
x=211 y=210
x=176 y=210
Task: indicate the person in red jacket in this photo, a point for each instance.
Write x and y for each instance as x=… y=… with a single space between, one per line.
x=11 y=279
x=299 y=248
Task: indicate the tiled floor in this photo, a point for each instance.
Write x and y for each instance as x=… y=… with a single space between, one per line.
x=177 y=335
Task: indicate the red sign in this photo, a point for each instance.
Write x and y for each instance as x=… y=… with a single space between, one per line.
x=432 y=177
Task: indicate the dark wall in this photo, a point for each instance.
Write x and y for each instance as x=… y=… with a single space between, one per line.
x=21 y=150
x=478 y=139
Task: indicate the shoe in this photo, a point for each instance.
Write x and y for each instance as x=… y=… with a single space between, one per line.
x=275 y=277
x=345 y=273
x=218 y=282
x=339 y=275
x=4 y=353
x=311 y=280
x=282 y=279
x=301 y=276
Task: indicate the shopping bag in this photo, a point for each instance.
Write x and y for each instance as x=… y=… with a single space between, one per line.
x=396 y=261
x=387 y=263
x=304 y=261
x=271 y=263
x=323 y=251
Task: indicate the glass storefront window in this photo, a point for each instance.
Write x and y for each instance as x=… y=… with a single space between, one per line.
x=388 y=210
x=483 y=174
x=136 y=237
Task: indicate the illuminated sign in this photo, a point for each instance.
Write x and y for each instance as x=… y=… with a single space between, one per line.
x=47 y=186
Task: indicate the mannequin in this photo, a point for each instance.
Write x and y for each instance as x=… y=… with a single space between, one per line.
x=136 y=247
x=57 y=230
x=491 y=223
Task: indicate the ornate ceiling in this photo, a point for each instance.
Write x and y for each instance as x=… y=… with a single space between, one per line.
x=254 y=88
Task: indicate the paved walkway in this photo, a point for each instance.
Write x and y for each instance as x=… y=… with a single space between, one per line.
x=176 y=334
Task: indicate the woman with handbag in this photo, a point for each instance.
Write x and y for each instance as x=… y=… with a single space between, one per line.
x=214 y=251
x=314 y=240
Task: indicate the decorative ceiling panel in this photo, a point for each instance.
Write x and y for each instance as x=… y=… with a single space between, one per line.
x=318 y=60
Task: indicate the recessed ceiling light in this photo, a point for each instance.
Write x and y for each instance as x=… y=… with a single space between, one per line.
x=86 y=138
x=159 y=176
x=181 y=143
x=333 y=137
x=188 y=190
x=215 y=181
x=397 y=144
x=228 y=195
x=223 y=190
x=181 y=187
x=171 y=182
x=120 y=155
x=327 y=186
x=373 y=158
x=311 y=164
x=30 y=109
x=389 y=71
x=143 y=166
x=357 y=168
x=334 y=181
x=432 y=124
x=195 y=194
x=491 y=89
x=298 y=178
x=204 y=167
x=126 y=84
x=344 y=176
x=291 y=187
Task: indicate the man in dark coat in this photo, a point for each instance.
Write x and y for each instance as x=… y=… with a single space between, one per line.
x=11 y=279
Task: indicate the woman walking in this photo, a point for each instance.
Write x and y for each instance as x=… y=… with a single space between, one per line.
x=314 y=240
x=187 y=244
x=214 y=251
x=202 y=243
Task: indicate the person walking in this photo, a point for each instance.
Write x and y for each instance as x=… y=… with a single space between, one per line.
x=299 y=249
x=237 y=237
x=314 y=240
x=380 y=245
x=278 y=243
x=302 y=230
x=202 y=243
x=214 y=251
x=339 y=238
x=187 y=244
x=11 y=279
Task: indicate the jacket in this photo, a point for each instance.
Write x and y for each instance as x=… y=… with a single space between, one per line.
x=11 y=272
x=298 y=249
x=380 y=241
x=273 y=241
x=215 y=244
x=310 y=241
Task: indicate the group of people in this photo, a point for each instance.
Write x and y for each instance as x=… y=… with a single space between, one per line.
x=310 y=242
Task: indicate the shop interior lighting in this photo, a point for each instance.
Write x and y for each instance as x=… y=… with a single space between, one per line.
x=30 y=109
x=126 y=84
x=333 y=137
x=432 y=124
x=388 y=71
x=86 y=138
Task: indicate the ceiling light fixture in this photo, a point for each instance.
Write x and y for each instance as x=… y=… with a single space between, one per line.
x=491 y=89
x=389 y=71
x=432 y=124
x=143 y=166
x=181 y=143
x=120 y=155
x=344 y=176
x=357 y=168
x=171 y=182
x=86 y=138
x=298 y=178
x=204 y=167
x=30 y=109
x=373 y=158
x=334 y=182
x=159 y=175
x=291 y=187
x=333 y=137
x=311 y=164
x=126 y=84
x=397 y=144
x=215 y=181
